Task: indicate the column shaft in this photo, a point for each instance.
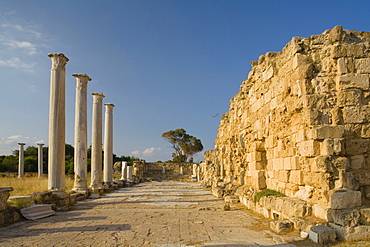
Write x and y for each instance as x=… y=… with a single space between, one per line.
x=56 y=159
x=40 y=160
x=80 y=141
x=97 y=140
x=108 y=144
x=21 y=160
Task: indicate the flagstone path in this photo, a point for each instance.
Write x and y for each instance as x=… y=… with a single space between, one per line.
x=155 y=214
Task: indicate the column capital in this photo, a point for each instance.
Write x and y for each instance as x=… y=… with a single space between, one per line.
x=98 y=94
x=82 y=76
x=21 y=143
x=109 y=105
x=59 y=60
x=40 y=144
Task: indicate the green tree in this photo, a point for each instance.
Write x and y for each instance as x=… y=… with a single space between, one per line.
x=185 y=145
x=69 y=161
x=10 y=163
x=30 y=164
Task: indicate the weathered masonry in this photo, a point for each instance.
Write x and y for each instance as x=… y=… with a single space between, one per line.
x=300 y=125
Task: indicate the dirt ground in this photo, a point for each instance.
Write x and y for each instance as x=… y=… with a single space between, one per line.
x=156 y=214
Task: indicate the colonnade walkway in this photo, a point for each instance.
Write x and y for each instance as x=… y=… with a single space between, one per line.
x=168 y=213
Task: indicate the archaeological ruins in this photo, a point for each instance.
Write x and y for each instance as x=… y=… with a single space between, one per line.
x=300 y=125
x=293 y=147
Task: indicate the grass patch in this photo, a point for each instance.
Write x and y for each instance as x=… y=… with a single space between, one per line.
x=266 y=192
x=26 y=186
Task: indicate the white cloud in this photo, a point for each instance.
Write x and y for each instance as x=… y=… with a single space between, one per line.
x=16 y=63
x=135 y=153
x=10 y=143
x=21 y=29
x=28 y=47
x=33 y=88
x=150 y=151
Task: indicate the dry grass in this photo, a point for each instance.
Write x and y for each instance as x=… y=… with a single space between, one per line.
x=26 y=186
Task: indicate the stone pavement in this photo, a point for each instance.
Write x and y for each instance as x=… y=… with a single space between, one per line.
x=155 y=214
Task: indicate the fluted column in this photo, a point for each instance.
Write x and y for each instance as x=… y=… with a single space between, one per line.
x=56 y=159
x=96 y=141
x=21 y=160
x=80 y=142
x=108 y=144
x=40 y=160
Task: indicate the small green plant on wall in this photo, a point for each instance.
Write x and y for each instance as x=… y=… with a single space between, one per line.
x=266 y=192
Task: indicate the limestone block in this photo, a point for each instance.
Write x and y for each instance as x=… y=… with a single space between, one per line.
x=342 y=199
x=349 y=97
x=346 y=233
x=344 y=217
x=259 y=180
x=321 y=234
x=364 y=215
x=287 y=164
x=345 y=50
x=309 y=148
x=295 y=163
x=329 y=131
x=300 y=135
x=4 y=195
x=304 y=193
x=256 y=165
x=341 y=163
x=320 y=164
x=271 y=174
x=342 y=65
x=353 y=114
x=284 y=176
x=352 y=81
x=327 y=147
x=296 y=177
x=281 y=226
x=281 y=186
x=362 y=65
x=320 y=211
x=349 y=180
x=356 y=146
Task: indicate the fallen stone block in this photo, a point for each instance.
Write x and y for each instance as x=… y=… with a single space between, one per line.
x=346 y=233
x=321 y=234
x=231 y=199
x=344 y=217
x=281 y=226
x=37 y=211
x=217 y=192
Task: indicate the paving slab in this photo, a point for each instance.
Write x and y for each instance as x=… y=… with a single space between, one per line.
x=168 y=213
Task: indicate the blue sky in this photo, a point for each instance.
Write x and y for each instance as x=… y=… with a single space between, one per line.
x=165 y=64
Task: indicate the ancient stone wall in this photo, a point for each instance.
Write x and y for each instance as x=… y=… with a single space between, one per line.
x=300 y=125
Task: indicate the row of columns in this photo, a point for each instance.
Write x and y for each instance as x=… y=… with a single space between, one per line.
x=56 y=164
x=21 y=160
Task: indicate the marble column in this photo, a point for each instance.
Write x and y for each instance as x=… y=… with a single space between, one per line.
x=129 y=173
x=21 y=160
x=124 y=170
x=108 y=144
x=80 y=141
x=96 y=141
x=56 y=159
x=40 y=160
